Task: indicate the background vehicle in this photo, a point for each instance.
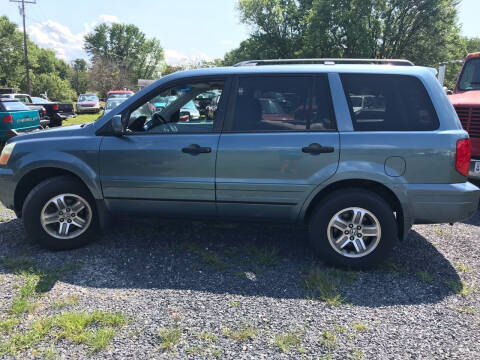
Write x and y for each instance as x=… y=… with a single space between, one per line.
x=360 y=178
x=26 y=100
x=112 y=103
x=54 y=112
x=119 y=94
x=16 y=117
x=466 y=101
x=88 y=103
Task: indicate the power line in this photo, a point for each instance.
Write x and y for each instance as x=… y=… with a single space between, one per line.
x=22 y=12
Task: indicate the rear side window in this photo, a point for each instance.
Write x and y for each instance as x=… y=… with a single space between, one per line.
x=389 y=103
x=283 y=103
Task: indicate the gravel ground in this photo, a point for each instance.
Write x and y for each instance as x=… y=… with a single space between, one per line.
x=423 y=303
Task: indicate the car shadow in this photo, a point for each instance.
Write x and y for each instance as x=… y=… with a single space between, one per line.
x=247 y=259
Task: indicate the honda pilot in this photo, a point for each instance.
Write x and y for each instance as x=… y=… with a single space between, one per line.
x=358 y=173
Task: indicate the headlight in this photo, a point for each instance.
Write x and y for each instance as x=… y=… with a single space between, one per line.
x=6 y=152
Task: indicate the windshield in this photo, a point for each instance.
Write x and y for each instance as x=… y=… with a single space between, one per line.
x=91 y=97
x=37 y=100
x=119 y=95
x=470 y=77
x=14 y=106
x=113 y=103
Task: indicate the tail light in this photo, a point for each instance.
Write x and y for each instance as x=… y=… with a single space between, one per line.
x=55 y=107
x=44 y=111
x=8 y=119
x=462 y=161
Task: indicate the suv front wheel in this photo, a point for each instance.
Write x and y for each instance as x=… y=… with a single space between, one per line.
x=60 y=214
x=353 y=228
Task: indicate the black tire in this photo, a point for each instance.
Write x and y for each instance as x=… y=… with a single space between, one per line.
x=343 y=199
x=40 y=195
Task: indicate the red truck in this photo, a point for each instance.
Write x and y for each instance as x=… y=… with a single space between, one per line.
x=466 y=100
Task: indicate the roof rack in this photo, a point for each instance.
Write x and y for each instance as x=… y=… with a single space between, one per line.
x=333 y=61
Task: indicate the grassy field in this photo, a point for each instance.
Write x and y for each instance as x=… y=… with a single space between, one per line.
x=83 y=118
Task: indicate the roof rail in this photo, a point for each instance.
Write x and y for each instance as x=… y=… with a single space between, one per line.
x=327 y=61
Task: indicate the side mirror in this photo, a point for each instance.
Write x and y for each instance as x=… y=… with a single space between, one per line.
x=117 y=126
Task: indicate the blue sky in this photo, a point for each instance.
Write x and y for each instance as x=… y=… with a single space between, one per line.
x=188 y=29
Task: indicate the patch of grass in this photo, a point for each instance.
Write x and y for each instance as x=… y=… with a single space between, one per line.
x=50 y=353
x=234 y=303
x=358 y=355
x=17 y=264
x=463 y=268
x=206 y=336
x=425 y=276
x=466 y=310
x=65 y=302
x=360 y=327
x=216 y=352
x=326 y=284
x=7 y=325
x=244 y=334
x=194 y=350
x=21 y=341
x=82 y=119
x=96 y=329
x=214 y=261
x=169 y=337
x=266 y=255
x=459 y=287
x=443 y=232
x=328 y=339
x=286 y=341
x=389 y=266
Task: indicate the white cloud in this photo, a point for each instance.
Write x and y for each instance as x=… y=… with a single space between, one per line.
x=226 y=42
x=109 y=19
x=175 y=57
x=58 y=37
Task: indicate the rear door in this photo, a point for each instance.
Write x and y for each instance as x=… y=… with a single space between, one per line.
x=279 y=142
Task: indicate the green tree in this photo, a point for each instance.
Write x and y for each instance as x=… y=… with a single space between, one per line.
x=12 y=70
x=79 y=76
x=424 y=31
x=54 y=86
x=126 y=47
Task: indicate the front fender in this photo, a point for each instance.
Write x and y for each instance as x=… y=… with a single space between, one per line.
x=84 y=166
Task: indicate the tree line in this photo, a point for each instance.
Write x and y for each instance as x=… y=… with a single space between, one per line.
x=424 y=31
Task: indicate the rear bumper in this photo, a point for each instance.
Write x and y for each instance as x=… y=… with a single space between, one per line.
x=7 y=187
x=442 y=203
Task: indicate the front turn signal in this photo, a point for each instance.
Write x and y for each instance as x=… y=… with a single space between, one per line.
x=6 y=152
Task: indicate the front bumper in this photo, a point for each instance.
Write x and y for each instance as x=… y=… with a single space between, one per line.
x=81 y=109
x=7 y=187
x=472 y=174
x=442 y=203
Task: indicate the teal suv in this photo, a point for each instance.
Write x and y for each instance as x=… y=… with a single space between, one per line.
x=357 y=152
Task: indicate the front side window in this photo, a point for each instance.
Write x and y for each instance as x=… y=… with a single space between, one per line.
x=282 y=103
x=470 y=77
x=180 y=109
x=388 y=103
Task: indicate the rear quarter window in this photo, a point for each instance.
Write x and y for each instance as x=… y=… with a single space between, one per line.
x=389 y=103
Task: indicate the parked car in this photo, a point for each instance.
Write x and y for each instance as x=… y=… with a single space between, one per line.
x=466 y=100
x=56 y=112
x=15 y=118
x=88 y=103
x=119 y=94
x=25 y=99
x=112 y=103
x=358 y=179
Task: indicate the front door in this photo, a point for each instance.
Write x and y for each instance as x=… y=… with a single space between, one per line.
x=279 y=143
x=165 y=163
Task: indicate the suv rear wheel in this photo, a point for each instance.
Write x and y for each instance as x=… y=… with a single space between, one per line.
x=353 y=228
x=60 y=214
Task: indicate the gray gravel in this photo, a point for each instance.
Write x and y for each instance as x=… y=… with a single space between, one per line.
x=156 y=273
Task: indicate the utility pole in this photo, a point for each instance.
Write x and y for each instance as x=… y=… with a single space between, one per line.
x=22 y=10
